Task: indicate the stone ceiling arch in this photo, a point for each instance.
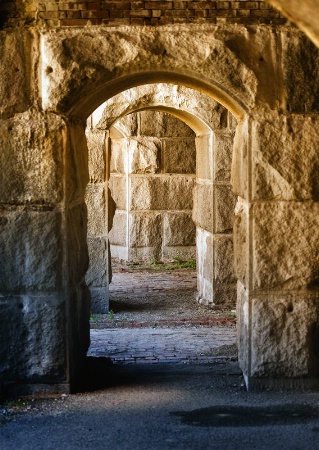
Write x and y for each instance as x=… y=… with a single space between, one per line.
x=81 y=69
x=199 y=111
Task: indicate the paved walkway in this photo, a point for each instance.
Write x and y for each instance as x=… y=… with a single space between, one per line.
x=156 y=319
x=159 y=345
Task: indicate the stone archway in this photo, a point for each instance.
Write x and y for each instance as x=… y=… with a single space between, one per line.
x=276 y=224
x=214 y=201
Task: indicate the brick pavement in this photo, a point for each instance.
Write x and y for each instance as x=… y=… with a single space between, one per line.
x=156 y=345
x=156 y=319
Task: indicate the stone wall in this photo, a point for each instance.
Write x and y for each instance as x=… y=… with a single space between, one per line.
x=53 y=79
x=156 y=163
x=58 y=13
x=136 y=169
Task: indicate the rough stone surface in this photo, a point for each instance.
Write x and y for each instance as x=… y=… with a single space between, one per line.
x=77 y=250
x=204 y=157
x=145 y=229
x=286 y=328
x=205 y=266
x=155 y=123
x=96 y=141
x=118 y=160
x=31 y=153
x=286 y=253
x=99 y=300
x=286 y=160
x=239 y=166
x=179 y=155
x=241 y=241
x=243 y=328
x=74 y=69
x=301 y=80
x=97 y=209
x=159 y=192
x=30 y=249
x=225 y=201
x=223 y=152
x=15 y=73
x=224 y=260
x=97 y=273
x=39 y=322
x=203 y=206
x=179 y=99
x=179 y=229
x=143 y=155
x=76 y=163
x=117 y=234
x=117 y=185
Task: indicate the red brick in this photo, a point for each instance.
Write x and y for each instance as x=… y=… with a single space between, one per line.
x=119 y=6
x=137 y=5
x=180 y=5
x=203 y=5
x=95 y=21
x=95 y=14
x=74 y=22
x=243 y=13
x=158 y=5
x=264 y=13
x=137 y=21
x=73 y=14
x=95 y=5
x=222 y=5
x=116 y=14
x=137 y=13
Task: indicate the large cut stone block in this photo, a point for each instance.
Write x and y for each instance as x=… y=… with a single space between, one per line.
x=239 y=167
x=128 y=124
x=97 y=209
x=241 y=241
x=76 y=63
x=204 y=157
x=205 y=266
x=15 y=71
x=300 y=61
x=96 y=142
x=97 y=274
x=179 y=229
x=286 y=158
x=179 y=155
x=203 y=206
x=184 y=253
x=118 y=233
x=145 y=230
x=117 y=185
x=31 y=159
x=30 y=249
x=77 y=251
x=225 y=201
x=155 y=123
x=286 y=245
x=224 y=273
x=99 y=300
x=77 y=165
x=144 y=155
x=285 y=332
x=243 y=328
x=223 y=152
x=33 y=338
x=118 y=161
x=161 y=192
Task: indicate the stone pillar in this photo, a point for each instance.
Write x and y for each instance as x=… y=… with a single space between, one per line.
x=276 y=237
x=34 y=278
x=214 y=204
x=99 y=204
